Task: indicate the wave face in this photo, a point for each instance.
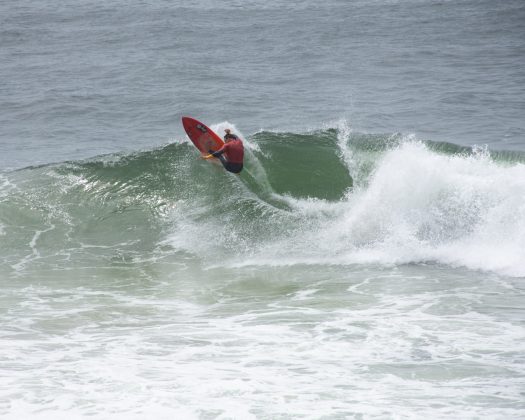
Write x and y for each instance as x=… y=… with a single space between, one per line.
x=330 y=196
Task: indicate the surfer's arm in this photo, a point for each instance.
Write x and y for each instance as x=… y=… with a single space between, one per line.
x=219 y=152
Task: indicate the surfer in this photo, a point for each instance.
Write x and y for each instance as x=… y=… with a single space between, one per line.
x=231 y=154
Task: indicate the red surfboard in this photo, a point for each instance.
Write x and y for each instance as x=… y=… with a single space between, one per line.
x=202 y=136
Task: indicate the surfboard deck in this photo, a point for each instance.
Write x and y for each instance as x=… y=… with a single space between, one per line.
x=203 y=137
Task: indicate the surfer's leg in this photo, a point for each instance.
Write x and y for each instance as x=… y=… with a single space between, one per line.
x=229 y=166
x=223 y=161
x=233 y=167
x=221 y=158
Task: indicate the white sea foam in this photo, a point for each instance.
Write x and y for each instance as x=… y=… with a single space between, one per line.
x=392 y=353
x=417 y=206
x=420 y=205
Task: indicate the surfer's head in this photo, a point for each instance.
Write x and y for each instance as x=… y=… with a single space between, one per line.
x=228 y=136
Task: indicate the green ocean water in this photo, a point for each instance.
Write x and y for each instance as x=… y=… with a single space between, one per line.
x=126 y=203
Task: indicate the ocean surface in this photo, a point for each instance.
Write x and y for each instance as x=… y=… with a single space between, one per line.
x=369 y=262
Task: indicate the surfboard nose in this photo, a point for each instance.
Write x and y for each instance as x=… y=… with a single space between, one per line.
x=187 y=122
